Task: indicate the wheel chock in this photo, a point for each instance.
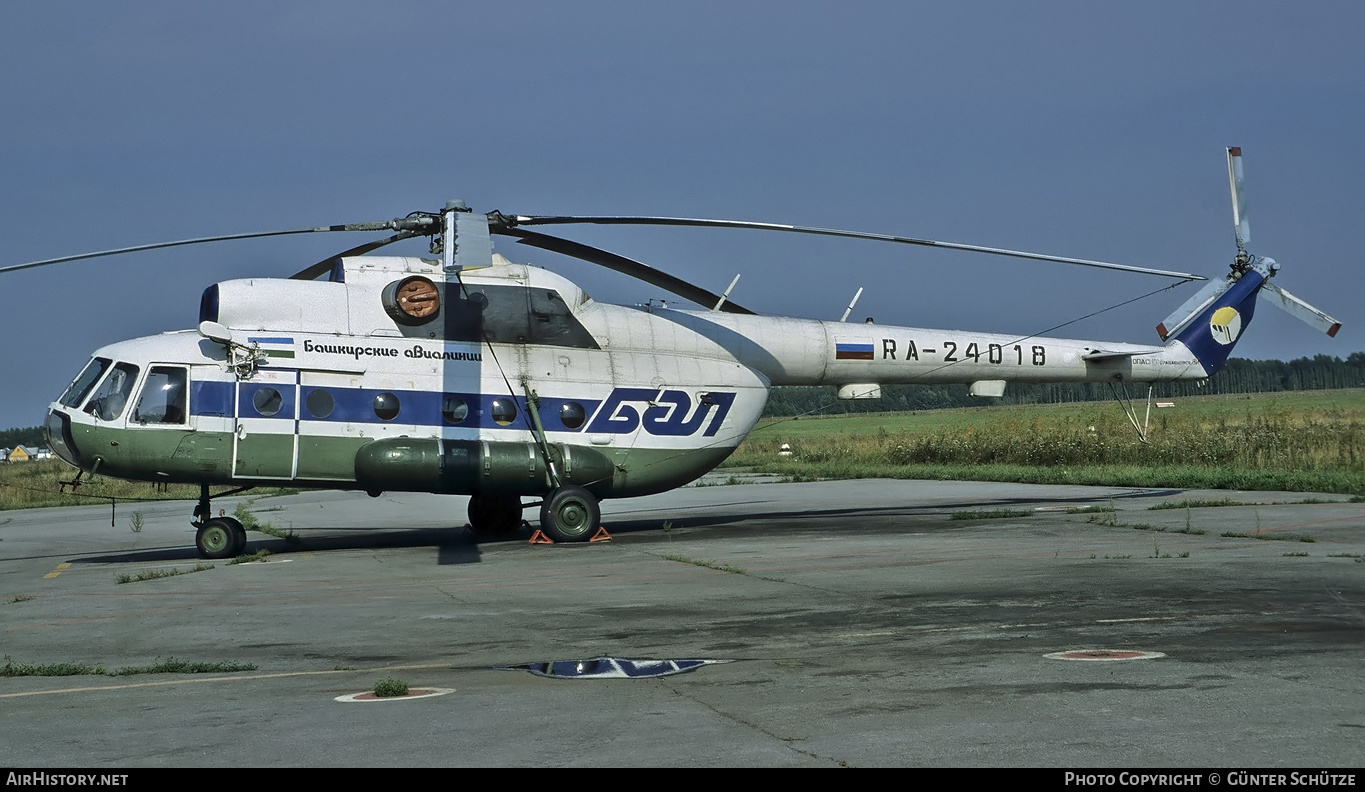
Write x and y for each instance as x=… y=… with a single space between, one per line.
x=539 y=537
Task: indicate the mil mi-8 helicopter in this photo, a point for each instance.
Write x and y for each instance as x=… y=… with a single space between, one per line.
x=467 y=374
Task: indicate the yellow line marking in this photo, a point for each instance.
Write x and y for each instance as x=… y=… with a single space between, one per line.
x=59 y=570
x=246 y=678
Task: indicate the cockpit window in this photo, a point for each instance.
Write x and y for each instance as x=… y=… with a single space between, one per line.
x=112 y=396
x=163 y=397
x=87 y=379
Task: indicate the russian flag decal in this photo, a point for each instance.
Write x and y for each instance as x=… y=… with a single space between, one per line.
x=852 y=351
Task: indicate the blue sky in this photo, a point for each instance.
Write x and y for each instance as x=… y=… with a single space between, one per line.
x=1094 y=130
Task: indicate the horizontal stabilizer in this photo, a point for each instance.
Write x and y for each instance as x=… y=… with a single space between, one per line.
x=1113 y=354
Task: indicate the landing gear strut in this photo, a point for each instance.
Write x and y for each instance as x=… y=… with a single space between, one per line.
x=216 y=537
x=495 y=514
x=570 y=514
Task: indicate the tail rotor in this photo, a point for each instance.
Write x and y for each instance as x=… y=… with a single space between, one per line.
x=1214 y=298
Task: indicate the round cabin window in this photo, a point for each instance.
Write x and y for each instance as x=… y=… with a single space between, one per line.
x=320 y=404
x=267 y=401
x=504 y=412
x=572 y=415
x=454 y=410
x=386 y=406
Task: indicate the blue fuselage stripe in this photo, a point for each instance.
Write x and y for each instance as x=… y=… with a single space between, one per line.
x=416 y=408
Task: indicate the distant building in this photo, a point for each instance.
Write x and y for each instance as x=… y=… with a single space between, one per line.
x=25 y=454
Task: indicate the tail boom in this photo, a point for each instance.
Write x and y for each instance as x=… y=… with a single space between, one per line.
x=809 y=352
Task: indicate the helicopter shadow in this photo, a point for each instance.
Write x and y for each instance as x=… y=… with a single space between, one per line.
x=453 y=545
x=460 y=545
x=816 y=518
x=738 y=344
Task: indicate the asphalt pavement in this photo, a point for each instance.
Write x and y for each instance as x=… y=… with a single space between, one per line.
x=868 y=623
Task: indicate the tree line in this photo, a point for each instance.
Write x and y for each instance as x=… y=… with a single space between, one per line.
x=1239 y=375
x=31 y=437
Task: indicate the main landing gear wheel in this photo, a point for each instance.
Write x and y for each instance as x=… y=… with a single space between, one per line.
x=495 y=514
x=221 y=537
x=238 y=536
x=570 y=514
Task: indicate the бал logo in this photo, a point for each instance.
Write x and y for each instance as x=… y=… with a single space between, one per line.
x=1226 y=325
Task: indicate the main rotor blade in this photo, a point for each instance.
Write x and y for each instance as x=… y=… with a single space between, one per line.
x=415 y=223
x=621 y=264
x=325 y=266
x=704 y=223
x=1301 y=310
x=1241 y=226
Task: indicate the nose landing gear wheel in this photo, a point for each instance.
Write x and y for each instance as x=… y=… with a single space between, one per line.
x=570 y=514
x=221 y=537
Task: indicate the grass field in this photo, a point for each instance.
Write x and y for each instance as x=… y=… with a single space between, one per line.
x=28 y=485
x=1300 y=441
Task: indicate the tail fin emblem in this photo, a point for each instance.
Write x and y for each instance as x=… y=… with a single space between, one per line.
x=1225 y=325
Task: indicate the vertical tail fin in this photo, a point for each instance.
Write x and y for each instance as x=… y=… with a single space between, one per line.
x=1214 y=329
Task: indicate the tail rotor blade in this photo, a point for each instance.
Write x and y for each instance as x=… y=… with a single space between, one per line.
x=1241 y=225
x=1191 y=307
x=1300 y=310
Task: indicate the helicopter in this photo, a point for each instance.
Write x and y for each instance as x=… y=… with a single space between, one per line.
x=465 y=373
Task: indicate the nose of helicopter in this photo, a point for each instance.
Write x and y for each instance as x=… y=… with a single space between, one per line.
x=57 y=427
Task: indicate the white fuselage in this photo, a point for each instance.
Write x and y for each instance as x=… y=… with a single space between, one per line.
x=669 y=392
